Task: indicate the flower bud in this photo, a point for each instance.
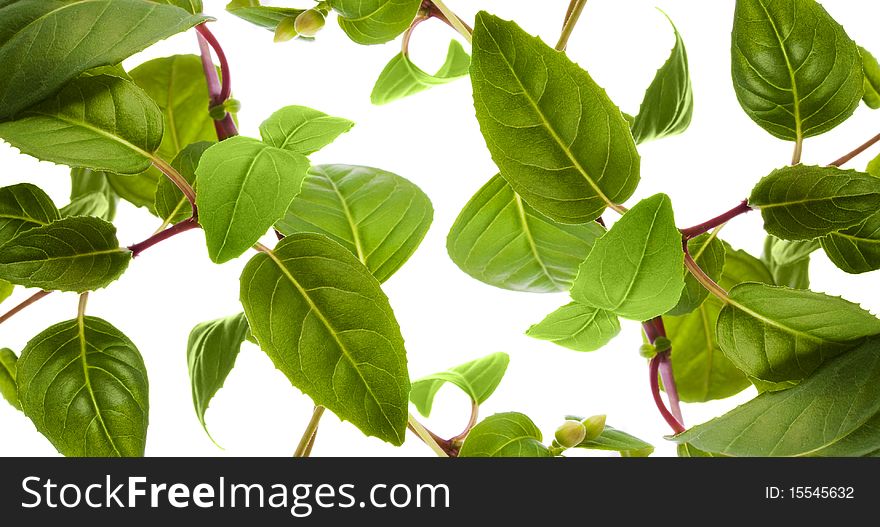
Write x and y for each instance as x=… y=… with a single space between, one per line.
x=309 y=22
x=233 y=105
x=647 y=351
x=286 y=29
x=570 y=434
x=593 y=427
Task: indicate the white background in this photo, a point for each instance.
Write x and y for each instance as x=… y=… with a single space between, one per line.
x=432 y=139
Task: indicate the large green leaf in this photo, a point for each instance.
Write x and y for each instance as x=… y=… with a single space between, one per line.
x=778 y=336
x=789 y=261
x=72 y=254
x=23 y=207
x=702 y=372
x=501 y=240
x=379 y=216
x=171 y=205
x=578 y=327
x=84 y=181
x=100 y=122
x=833 y=412
x=84 y=385
x=708 y=251
x=478 y=379
x=668 y=105
x=46 y=43
x=302 y=130
x=402 y=78
x=504 y=435
x=375 y=21
x=211 y=352
x=326 y=324
x=795 y=71
x=856 y=249
x=554 y=133
x=266 y=17
x=637 y=269
x=619 y=441
x=8 y=387
x=245 y=186
x=191 y=6
x=805 y=202
x=872 y=79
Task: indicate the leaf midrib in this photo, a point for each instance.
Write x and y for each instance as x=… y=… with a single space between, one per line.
x=521 y=213
x=81 y=335
x=791 y=73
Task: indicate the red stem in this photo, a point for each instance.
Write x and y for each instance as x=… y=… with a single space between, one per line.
x=20 y=307
x=219 y=93
x=226 y=88
x=174 y=230
x=447 y=446
x=696 y=230
x=653 y=371
x=868 y=144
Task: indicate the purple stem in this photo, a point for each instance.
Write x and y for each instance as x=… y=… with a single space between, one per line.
x=217 y=91
x=667 y=376
x=662 y=365
x=696 y=230
x=174 y=230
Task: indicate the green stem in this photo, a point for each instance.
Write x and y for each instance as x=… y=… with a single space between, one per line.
x=426 y=436
x=175 y=178
x=81 y=309
x=571 y=19
x=798 y=150
x=307 y=440
x=454 y=21
x=704 y=279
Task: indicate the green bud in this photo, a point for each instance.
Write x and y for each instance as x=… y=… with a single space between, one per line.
x=233 y=105
x=308 y=23
x=593 y=427
x=218 y=113
x=662 y=344
x=286 y=29
x=647 y=351
x=570 y=434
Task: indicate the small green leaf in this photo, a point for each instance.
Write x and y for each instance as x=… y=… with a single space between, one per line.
x=402 y=78
x=872 y=79
x=211 y=352
x=778 y=336
x=833 y=412
x=302 y=130
x=577 y=327
x=171 y=205
x=637 y=269
x=553 y=132
x=84 y=181
x=619 y=441
x=708 y=251
x=504 y=435
x=805 y=202
x=94 y=204
x=478 y=379
x=72 y=254
x=795 y=71
x=6 y=290
x=326 y=324
x=379 y=216
x=46 y=43
x=24 y=207
x=8 y=388
x=375 y=21
x=245 y=186
x=101 y=122
x=668 y=105
x=267 y=17
x=789 y=261
x=139 y=189
x=84 y=385
x=856 y=249
x=502 y=241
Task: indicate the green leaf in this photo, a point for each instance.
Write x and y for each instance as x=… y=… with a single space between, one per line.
x=326 y=324
x=795 y=71
x=266 y=17
x=619 y=441
x=8 y=388
x=577 y=327
x=805 y=202
x=101 y=122
x=46 y=43
x=702 y=372
x=688 y=450
x=302 y=130
x=554 y=133
x=94 y=204
x=636 y=270
x=177 y=85
x=708 y=251
x=139 y=189
x=84 y=385
x=84 y=181
x=171 y=205
x=668 y=105
x=857 y=249
x=789 y=261
x=478 y=379
x=828 y=414
x=375 y=21
x=502 y=241
x=24 y=207
x=72 y=254
x=778 y=336
x=402 y=78
x=872 y=79
x=211 y=352
x=190 y=6
x=245 y=186
x=379 y=216
x=504 y=435
x=6 y=290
